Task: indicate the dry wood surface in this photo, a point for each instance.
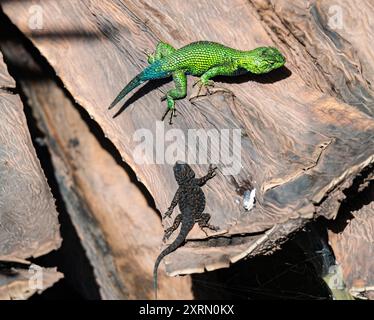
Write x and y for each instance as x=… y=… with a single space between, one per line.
x=303 y=140
x=120 y=232
x=354 y=251
x=17 y=284
x=28 y=217
x=336 y=36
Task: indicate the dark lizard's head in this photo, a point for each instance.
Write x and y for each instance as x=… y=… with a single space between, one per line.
x=183 y=172
x=262 y=60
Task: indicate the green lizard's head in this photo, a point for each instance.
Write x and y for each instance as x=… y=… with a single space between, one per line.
x=262 y=60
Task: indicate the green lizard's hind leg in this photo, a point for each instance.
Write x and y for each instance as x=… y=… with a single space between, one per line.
x=205 y=79
x=179 y=92
x=162 y=50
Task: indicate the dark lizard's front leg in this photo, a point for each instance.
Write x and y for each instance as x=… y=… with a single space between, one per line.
x=173 y=204
x=211 y=173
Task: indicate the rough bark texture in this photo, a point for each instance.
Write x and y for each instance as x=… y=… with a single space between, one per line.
x=354 y=252
x=21 y=284
x=28 y=217
x=108 y=211
x=301 y=146
x=6 y=81
x=335 y=37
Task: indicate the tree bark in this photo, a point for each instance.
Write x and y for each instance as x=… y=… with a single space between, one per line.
x=28 y=219
x=120 y=232
x=301 y=146
x=354 y=251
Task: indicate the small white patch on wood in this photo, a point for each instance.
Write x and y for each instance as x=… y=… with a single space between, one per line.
x=249 y=199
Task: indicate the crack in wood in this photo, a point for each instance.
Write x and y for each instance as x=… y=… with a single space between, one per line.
x=304 y=170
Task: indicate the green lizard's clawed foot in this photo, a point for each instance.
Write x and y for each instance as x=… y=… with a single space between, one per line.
x=170 y=108
x=210 y=87
x=203 y=83
x=221 y=89
x=200 y=84
x=173 y=113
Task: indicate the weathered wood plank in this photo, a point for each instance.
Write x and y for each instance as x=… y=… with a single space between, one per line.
x=6 y=81
x=108 y=211
x=354 y=252
x=337 y=37
x=21 y=284
x=294 y=135
x=28 y=217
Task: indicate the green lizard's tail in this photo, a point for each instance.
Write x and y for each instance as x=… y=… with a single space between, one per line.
x=153 y=71
x=137 y=81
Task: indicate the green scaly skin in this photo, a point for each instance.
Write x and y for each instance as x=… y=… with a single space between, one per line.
x=204 y=59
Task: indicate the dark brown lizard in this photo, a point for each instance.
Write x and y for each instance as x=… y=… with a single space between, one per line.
x=191 y=201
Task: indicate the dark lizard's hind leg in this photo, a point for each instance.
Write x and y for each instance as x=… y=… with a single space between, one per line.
x=203 y=222
x=162 y=50
x=179 y=92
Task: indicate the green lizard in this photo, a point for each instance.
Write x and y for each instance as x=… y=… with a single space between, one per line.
x=205 y=59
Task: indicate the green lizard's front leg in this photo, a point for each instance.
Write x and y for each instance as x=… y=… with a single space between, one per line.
x=162 y=50
x=179 y=92
x=222 y=70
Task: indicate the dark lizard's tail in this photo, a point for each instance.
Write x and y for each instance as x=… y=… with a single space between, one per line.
x=185 y=229
x=151 y=72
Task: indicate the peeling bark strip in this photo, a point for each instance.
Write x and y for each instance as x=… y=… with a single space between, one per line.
x=107 y=210
x=20 y=285
x=28 y=217
x=354 y=251
x=6 y=81
x=96 y=47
